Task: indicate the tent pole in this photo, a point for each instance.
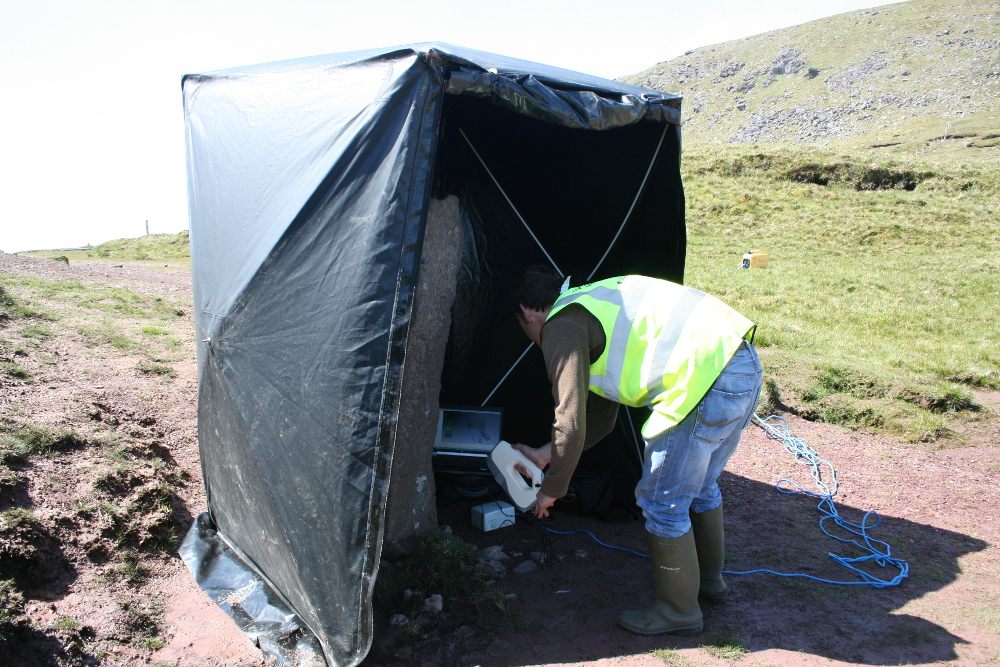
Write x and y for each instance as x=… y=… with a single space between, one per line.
x=513 y=208
x=635 y=200
x=539 y=243
x=505 y=375
x=635 y=438
x=642 y=187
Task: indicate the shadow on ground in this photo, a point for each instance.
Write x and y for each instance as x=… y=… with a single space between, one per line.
x=566 y=611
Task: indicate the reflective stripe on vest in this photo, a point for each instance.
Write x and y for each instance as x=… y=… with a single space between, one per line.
x=665 y=343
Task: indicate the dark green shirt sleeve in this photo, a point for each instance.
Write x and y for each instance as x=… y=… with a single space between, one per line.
x=570 y=341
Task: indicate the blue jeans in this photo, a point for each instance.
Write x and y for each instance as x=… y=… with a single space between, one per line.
x=683 y=464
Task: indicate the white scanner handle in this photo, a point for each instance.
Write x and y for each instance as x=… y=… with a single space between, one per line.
x=503 y=463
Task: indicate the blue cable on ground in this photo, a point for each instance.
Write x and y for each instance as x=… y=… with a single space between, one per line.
x=879 y=552
x=596 y=539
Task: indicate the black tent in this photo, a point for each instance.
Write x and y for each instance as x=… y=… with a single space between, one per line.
x=309 y=186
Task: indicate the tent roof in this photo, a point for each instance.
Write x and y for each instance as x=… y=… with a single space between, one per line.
x=450 y=54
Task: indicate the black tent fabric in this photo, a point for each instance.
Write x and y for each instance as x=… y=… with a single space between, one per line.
x=309 y=182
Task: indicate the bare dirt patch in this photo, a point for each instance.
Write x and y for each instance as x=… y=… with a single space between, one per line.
x=108 y=587
x=111 y=590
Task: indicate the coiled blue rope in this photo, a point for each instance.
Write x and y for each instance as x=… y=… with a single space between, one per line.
x=879 y=552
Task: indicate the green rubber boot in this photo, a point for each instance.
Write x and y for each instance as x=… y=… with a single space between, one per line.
x=675 y=584
x=709 y=538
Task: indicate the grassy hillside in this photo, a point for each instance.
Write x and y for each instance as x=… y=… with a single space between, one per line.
x=919 y=76
x=879 y=307
x=154 y=247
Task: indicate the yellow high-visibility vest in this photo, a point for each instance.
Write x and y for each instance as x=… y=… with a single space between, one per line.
x=666 y=344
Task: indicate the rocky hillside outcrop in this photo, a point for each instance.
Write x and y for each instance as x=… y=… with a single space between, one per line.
x=925 y=67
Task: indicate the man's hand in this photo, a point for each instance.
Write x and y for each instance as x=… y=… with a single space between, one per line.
x=540 y=456
x=542 y=505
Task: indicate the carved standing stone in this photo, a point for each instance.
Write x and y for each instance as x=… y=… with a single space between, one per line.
x=411 y=508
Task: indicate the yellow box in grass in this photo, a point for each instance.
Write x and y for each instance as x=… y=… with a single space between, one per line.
x=755 y=259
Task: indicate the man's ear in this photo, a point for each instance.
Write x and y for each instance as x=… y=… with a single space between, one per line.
x=525 y=312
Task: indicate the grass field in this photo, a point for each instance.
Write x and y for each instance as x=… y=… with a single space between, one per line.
x=171 y=250
x=879 y=307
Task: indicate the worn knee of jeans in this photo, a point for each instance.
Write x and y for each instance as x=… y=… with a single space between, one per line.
x=667 y=523
x=708 y=500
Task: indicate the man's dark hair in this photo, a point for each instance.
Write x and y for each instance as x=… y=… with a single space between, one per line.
x=538 y=288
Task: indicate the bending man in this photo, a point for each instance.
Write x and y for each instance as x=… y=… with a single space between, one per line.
x=641 y=341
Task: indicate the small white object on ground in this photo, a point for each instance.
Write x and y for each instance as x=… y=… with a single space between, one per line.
x=398 y=619
x=434 y=604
